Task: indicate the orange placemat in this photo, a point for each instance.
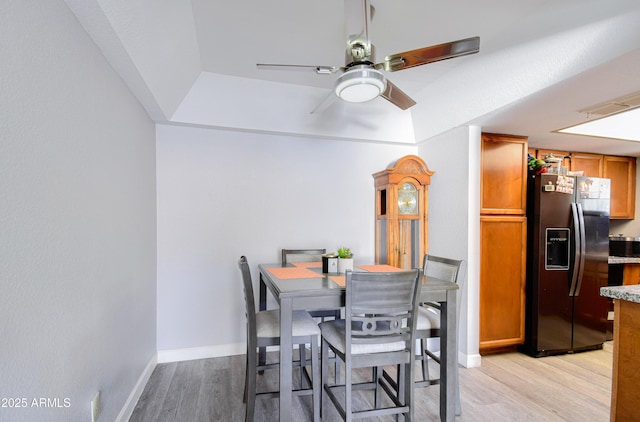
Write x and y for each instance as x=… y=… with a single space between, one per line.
x=284 y=273
x=340 y=280
x=313 y=264
x=379 y=268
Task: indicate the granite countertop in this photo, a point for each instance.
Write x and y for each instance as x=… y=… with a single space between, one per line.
x=630 y=293
x=624 y=260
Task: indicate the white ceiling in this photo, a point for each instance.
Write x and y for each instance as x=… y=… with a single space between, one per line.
x=194 y=62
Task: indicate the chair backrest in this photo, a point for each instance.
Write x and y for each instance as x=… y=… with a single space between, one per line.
x=445 y=269
x=442 y=268
x=249 y=300
x=380 y=306
x=302 y=255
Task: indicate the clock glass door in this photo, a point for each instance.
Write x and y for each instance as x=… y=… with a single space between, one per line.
x=408 y=199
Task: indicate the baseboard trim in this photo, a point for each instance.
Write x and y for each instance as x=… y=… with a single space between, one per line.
x=132 y=400
x=206 y=352
x=469 y=361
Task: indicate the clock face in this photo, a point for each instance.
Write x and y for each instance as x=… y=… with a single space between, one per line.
x=408 y=199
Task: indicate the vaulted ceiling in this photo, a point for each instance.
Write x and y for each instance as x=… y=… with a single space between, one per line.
x=540 y=61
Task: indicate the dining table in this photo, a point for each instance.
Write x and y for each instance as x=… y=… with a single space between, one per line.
x=304 y=286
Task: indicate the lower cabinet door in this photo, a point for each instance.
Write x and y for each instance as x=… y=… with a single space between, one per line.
x=503 y=254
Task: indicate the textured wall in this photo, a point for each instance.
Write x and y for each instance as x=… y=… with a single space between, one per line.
x=77 y=222
x=223 y=194
x=455 y=218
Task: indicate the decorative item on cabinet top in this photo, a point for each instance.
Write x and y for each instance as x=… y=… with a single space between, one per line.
x=551 y=164
x=537 y=165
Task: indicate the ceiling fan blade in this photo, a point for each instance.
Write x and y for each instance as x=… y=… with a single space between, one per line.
x=431 y=54
x=357 y=20
x=397 y=97
x=321 y=70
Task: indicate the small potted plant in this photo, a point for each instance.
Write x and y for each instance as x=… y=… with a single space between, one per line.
x=345 y=259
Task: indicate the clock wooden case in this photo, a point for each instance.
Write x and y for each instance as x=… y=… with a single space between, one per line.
x=402 y=198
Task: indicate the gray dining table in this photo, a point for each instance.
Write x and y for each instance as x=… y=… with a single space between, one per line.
x=306 y=287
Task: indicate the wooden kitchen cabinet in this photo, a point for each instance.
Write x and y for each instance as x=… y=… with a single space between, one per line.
x=503 y=230
x=625 y=393
x=630 y=274
x=626 y=374
x=503 y=181
x=591 y=164
x=622 y=172
x=502 y=281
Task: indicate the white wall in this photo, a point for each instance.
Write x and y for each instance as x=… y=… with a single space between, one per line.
x=77 y=221
x=224 y=194
x=454 y=221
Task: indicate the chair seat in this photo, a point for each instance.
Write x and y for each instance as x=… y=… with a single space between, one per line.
x=428 y=318
x=268 y=324
x=334 y=333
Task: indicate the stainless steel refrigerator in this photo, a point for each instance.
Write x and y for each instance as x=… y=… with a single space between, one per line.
x=567 y=263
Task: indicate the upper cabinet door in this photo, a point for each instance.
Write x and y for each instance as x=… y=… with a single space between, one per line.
x=622 y=172
x=503 y=174
x=591 y=164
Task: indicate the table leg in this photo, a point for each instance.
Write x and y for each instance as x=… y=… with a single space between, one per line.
x=286 y=359
x=448 y=357
x=262 y=351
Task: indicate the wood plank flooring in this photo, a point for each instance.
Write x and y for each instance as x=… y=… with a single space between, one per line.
x=508 y=387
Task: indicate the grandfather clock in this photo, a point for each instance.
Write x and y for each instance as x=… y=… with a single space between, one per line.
x=402 y=198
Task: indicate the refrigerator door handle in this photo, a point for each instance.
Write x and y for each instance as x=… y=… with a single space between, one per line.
x=583 y=245
x=576 y=247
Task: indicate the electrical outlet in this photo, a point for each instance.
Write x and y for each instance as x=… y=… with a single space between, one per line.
x=95 y=407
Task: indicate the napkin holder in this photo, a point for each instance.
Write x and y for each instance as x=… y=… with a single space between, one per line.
x=329 y=264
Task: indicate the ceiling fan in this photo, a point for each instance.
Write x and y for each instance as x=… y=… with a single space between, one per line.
x=362 y=78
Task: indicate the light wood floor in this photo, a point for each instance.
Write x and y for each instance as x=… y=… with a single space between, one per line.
x=508 y=387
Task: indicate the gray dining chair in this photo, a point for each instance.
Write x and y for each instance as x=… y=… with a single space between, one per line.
x=263 y=329
x=309 y=255
x=302 y=255
x=378 y=330
x=428 y=324
x=321 y=315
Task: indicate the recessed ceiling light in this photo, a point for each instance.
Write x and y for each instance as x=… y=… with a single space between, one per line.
x=624 y=125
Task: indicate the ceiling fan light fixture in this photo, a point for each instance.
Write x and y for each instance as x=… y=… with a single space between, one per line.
x=360 y=84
